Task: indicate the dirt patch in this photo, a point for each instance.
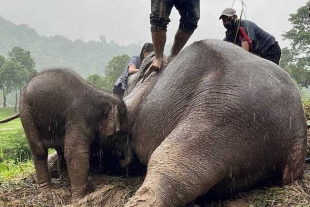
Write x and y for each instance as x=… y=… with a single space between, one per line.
x=114 y=191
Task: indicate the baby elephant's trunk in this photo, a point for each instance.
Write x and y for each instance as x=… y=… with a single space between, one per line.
x=125 y=146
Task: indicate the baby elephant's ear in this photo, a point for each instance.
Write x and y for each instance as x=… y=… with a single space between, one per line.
x=113 y=125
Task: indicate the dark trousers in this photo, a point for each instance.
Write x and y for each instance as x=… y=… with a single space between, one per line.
x=117 y=90
x=273 y=53
x=189 y=11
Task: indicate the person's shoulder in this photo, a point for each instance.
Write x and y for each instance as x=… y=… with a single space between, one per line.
x=245 y=22
x=134 y=59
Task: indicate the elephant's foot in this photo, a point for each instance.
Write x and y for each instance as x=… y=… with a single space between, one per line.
x=294 y=168
x=144 y=198
x=45 y=185
x=75 y=199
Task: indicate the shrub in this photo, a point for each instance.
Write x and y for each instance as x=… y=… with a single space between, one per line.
x=14 y=146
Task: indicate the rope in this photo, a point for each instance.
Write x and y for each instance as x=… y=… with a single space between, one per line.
x=242 y=9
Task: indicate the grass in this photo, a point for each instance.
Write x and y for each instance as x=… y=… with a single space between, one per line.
x=10 y=170
x=15 y=158
x=10 y=126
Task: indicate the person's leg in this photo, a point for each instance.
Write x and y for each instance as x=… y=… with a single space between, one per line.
x=180 y=39
x=278 y=53
x=159 y=19
x=273 y=53
x=117 y=90
x=190 y=13
x=159 y=41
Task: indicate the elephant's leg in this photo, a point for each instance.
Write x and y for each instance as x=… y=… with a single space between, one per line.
x=76 y=151
x=62 y=165
x=179 y=170
x=294 y=168
x=39 y=152
x=52 y=162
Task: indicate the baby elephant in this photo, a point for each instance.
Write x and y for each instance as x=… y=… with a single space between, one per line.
x=59 y=110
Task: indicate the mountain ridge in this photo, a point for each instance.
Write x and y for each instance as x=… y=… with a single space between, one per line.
x=85 y=58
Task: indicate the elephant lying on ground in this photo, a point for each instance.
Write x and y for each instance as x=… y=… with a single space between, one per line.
x=58 y=109
x=215 y=121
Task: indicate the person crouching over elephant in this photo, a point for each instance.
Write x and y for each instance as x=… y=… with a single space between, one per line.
x=59 y=110
x=132 y=67
x=250 y=37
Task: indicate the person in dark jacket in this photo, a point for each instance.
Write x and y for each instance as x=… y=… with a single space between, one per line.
x=132 y=67
x=250 y=36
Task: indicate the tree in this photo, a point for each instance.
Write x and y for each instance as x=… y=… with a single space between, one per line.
x=26 y=64
x=11 y=78
x=114 y=69
x=23 y=59
x=2 y=61
x=296 y=59
x=96 y=80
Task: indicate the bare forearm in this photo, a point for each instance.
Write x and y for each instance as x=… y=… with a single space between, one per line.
x=133 y=70
x=245 y=45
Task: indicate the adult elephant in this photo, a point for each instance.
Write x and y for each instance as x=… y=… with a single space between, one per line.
x=59 y=110
x=215 y=121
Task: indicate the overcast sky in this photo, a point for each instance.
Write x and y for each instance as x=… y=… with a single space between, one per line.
x=127 y=21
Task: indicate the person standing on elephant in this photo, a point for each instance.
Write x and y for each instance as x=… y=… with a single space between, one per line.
x=250 y=36
x=160 y=11
x=132 y=67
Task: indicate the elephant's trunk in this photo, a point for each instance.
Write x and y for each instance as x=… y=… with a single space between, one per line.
x=128 y=154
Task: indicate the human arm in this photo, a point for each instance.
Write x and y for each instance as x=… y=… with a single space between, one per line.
x=132 y=69
x=248 y=35
x=245 y=45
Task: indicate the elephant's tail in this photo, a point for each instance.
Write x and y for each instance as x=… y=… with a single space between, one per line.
x=9 y=119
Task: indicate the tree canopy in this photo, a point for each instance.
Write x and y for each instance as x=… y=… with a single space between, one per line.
x=296 y=59
x=15 y=71
x=114 y=69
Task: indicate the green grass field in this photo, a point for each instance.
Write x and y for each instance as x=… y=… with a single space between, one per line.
x=9 y=127
x=10 y=132
x=14 y=151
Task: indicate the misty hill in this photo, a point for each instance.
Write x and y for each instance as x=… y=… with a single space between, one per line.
x=83 y=57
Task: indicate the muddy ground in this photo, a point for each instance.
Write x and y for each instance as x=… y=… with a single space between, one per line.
x=114 y=191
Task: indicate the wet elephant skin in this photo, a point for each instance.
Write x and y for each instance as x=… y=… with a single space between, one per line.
x=215 y=121
x=59 y=110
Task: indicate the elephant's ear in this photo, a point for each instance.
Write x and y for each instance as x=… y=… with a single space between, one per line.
x=113 y=124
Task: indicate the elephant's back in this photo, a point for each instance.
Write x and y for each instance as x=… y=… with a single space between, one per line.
x=218 y=83
x=56 y=85
x=211 y=78
x=56 y=94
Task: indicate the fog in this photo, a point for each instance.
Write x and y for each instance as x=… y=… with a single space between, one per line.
x=125 y=21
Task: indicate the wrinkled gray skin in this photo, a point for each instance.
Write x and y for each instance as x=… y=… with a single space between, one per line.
x=58 y=109
x=215 y=121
